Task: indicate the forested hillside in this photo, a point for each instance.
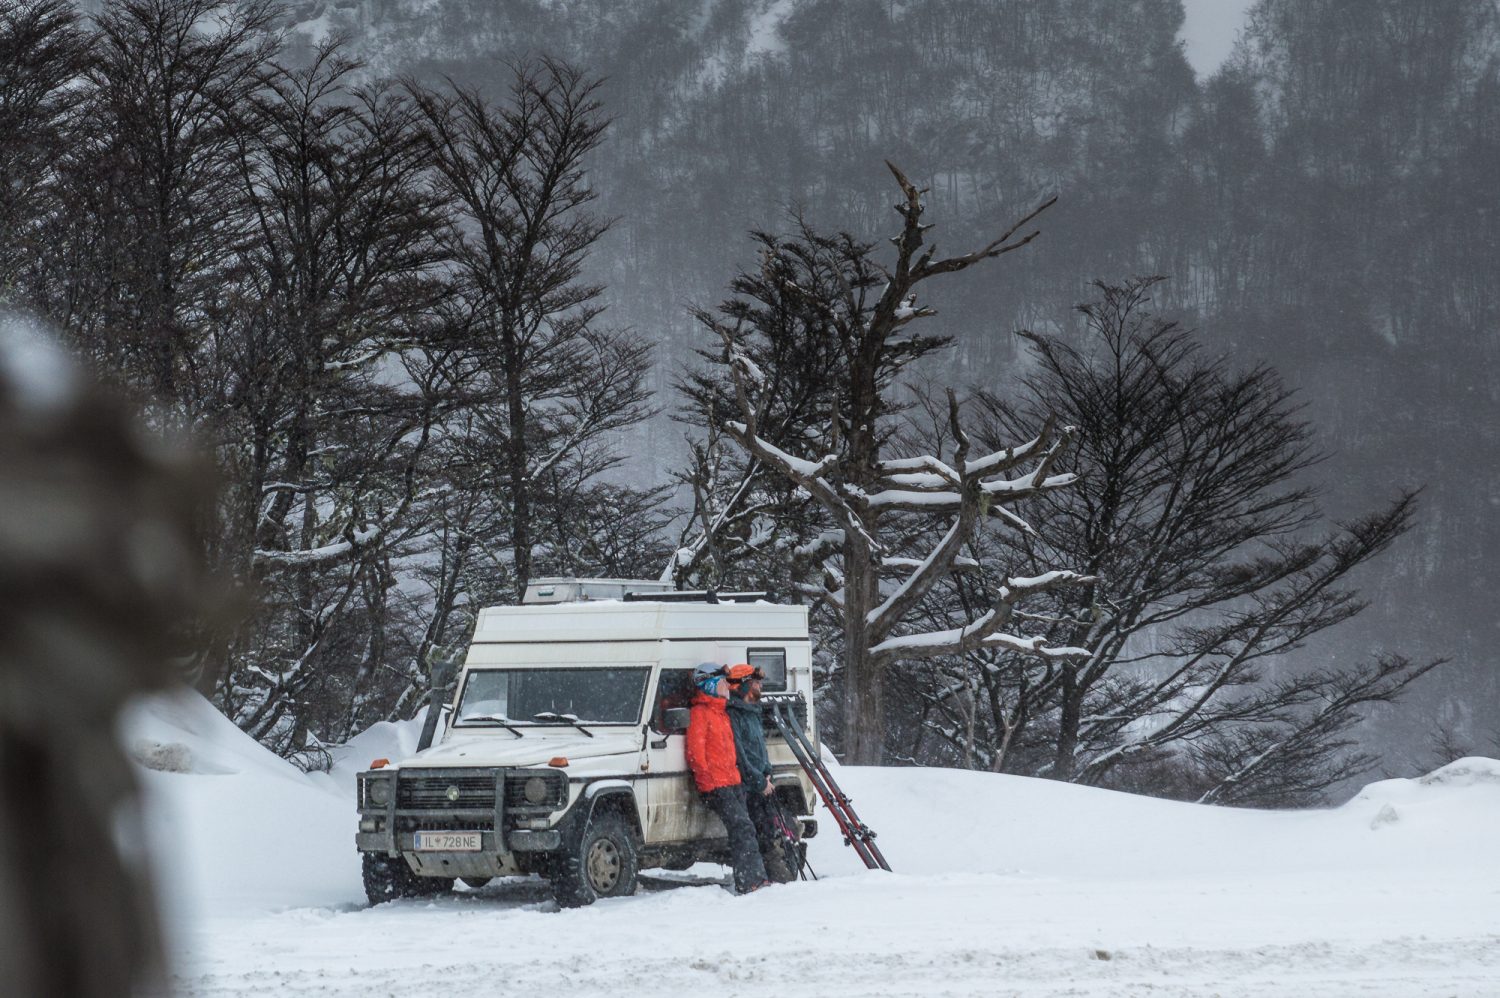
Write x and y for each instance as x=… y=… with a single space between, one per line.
x=431 y=280
x=1328 y=202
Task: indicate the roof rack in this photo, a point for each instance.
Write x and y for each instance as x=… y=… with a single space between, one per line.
x=574 y=590
x=696 y=596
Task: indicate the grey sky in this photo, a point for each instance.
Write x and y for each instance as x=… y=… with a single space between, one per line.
x=1210 y=31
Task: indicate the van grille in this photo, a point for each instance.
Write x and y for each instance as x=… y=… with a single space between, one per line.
x=474 y=793
x=423 y=823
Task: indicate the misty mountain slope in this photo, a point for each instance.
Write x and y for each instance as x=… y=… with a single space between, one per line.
x=728 y=113
x=1003 y=885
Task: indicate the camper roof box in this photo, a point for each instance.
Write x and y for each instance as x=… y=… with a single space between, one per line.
x=544 y=591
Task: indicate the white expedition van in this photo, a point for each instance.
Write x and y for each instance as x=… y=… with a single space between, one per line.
x=562 y=753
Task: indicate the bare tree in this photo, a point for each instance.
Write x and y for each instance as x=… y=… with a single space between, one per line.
x=555 y=381
x=865 y=308
x=368 y=300
x=747 y=522
x=1296 y=744
x=167 y=87
x=44 y=52
x=1205 y=570
x=336 y=372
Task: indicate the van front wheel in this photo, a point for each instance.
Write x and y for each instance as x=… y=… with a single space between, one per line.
x=389 y=877
x=603 y=863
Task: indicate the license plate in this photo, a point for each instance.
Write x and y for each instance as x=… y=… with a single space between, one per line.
x=448 y=841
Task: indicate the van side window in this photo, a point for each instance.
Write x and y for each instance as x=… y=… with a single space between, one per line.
x=772 y=661
x=673 y=689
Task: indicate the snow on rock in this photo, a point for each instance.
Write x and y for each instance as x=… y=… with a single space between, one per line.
x=1457 y=806
x=1387 y=815
x=1003 y=885
x=1467 y=772
x=186 y=727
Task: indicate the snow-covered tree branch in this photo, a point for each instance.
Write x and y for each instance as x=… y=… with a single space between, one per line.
x=832 y=290
x=1209 y=574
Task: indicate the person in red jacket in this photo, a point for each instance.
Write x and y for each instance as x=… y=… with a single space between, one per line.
x=710 y=755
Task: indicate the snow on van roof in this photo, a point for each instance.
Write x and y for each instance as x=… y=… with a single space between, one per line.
x=640 y=620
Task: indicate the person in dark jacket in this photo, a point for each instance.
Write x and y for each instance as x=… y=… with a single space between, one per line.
x=745 y=717
x=712 y=758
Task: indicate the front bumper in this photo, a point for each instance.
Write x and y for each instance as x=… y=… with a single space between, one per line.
x=478 y=802
x=518 y=840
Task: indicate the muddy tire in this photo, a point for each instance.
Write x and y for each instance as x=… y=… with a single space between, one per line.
x=390 y=877
x=602 y=864
x=427 y=887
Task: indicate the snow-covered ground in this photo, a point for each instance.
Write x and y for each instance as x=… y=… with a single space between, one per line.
x=1003 y=886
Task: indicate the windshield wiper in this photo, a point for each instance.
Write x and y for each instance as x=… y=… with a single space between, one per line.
x=493 y=719
x=548 y=717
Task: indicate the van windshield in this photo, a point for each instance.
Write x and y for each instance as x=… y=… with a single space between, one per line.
x=553 y=696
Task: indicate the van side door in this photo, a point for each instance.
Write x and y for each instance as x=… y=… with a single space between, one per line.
x=675 y=812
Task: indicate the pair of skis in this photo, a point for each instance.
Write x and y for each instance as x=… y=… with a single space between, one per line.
x=856 y=833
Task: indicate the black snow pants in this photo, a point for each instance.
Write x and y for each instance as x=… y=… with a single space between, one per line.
x=744 y=848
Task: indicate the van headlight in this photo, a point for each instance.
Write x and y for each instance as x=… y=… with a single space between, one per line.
x=535 y=788
x=378 y=792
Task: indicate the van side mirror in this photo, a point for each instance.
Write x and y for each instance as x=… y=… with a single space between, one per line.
x=676 y=720
x=443 y=674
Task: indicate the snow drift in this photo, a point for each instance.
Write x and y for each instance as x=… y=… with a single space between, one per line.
x=1002 y=885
